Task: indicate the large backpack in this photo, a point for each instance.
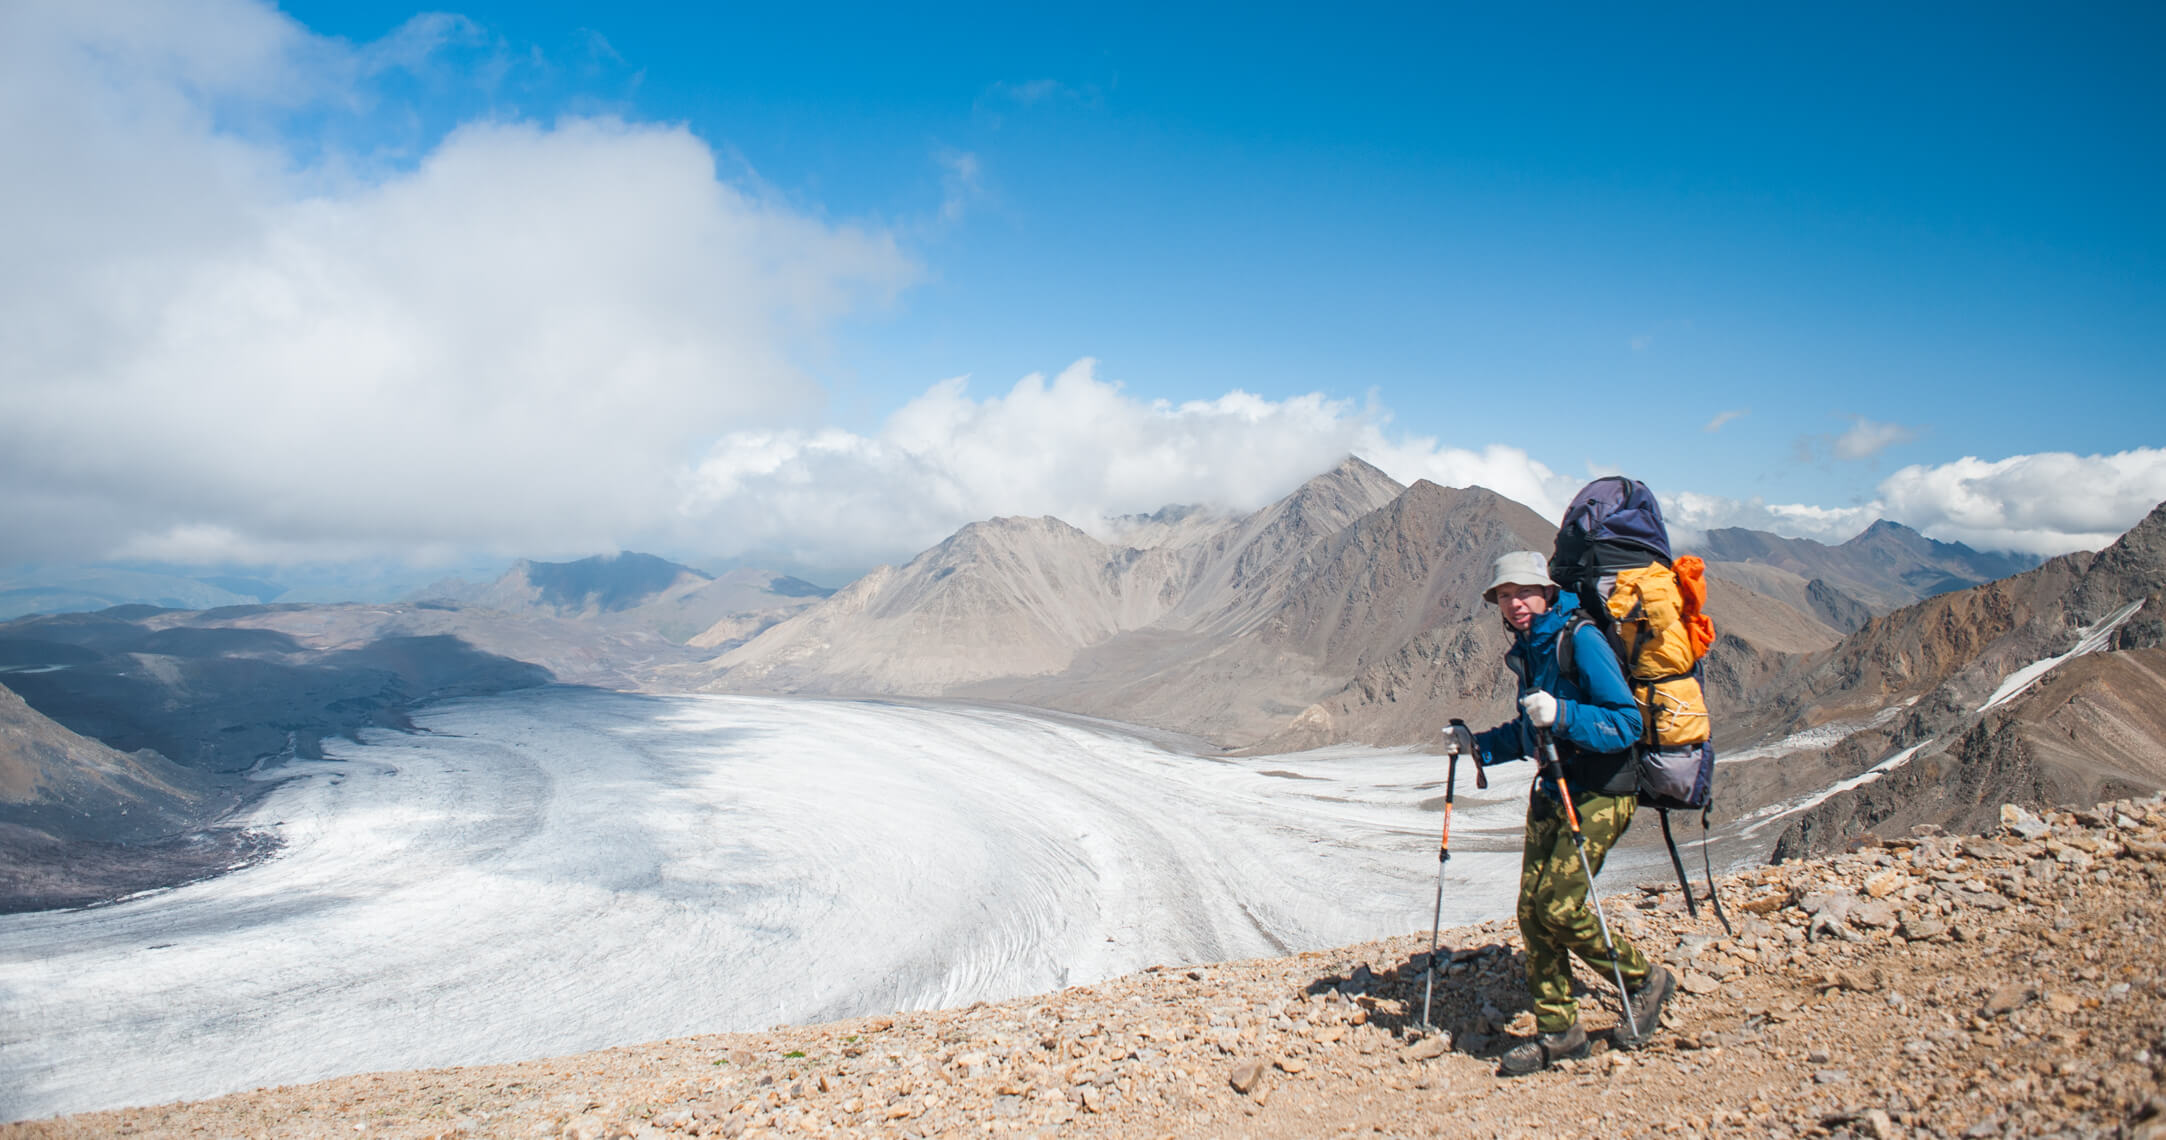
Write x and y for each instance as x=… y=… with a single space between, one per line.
x=1613 y=551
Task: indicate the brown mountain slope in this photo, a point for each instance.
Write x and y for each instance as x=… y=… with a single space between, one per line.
x=1356 y=602
x=1008 y=597
x=71 y=787
x=2035 y=689
x=1398 y=601
x=1243 y=572
x=82 y=823
x=1035 y=610
x=1971 y=639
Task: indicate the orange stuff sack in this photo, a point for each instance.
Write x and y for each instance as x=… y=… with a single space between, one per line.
x=1692 y=587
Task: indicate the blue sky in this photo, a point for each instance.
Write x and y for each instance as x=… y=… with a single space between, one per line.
x=1902 y=262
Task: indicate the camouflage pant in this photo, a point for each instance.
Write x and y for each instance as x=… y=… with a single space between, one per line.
x=1554 y=917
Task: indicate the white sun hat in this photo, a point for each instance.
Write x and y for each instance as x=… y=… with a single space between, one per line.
x=1519 y=568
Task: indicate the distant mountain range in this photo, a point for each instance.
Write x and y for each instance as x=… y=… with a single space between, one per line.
x=638 y=591
x=1349 y=610
x=78 y=590
x=1886 y=567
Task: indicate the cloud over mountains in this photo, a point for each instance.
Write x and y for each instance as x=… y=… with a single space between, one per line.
x=238 y=327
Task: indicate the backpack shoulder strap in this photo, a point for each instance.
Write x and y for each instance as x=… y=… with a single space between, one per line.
x=1567 y=652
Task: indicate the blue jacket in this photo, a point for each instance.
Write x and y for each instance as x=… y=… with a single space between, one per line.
x=1598 y=720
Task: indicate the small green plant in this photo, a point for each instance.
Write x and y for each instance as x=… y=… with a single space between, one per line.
x=795 y=1053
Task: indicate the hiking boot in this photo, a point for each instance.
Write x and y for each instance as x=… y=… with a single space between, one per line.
x=1647 y=1000
x=1545 y=1050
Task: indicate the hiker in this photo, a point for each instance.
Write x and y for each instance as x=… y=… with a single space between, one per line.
x=1594 y=720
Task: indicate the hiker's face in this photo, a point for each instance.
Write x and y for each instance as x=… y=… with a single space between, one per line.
x=1522 y=604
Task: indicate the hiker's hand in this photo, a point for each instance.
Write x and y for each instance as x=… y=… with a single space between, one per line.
x=1459 y=741
x=1540 y=707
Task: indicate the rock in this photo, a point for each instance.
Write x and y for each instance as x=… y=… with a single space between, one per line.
x=1429 y=1048
x=1698 y=983
x=2023 y=823
x=1246 y=1076
x=1767 y=903
x=2063 y=1003
x=1834 y=903
x=1292 y=1065
x=1830 y=1076
x=1875 y=915
x=2007 y=999
x=1859 y=981
x=1923 y=928
x=1884 y=883
x=1879 y=1125
x=1828 y=922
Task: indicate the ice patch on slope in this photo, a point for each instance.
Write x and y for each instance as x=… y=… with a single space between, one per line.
x=2089 y=640
x=1757 y=821
x=1817 y=738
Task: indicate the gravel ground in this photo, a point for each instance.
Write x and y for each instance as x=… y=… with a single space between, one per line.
x=1998 y=986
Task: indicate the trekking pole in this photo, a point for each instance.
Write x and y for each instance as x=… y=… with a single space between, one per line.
x=1554 y=769
x=1462 y=741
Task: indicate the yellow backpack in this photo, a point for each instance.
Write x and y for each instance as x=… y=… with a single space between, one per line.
x=1661 y=636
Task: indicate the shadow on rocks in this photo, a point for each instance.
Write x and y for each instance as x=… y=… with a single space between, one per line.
x=1478 y=996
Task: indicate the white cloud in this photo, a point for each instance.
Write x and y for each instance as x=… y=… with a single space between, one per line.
x=2049 y=503
x=217 y=345
x=1866 y=438
x=961 y=177
x=1722 y=418
x=1689 y=513
x=1075 y=447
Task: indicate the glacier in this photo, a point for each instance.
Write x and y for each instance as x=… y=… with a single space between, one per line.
x=564 y=869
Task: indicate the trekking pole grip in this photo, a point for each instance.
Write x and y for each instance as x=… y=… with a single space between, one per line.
x=1464 y=740
x=1451 y=782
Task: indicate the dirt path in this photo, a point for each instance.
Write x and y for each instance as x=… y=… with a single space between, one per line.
x=1984 y=987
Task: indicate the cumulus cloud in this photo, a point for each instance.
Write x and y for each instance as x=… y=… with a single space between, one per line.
x=2049 y=503
x=221 y=346
x=1691 y=513
x=1075 y=447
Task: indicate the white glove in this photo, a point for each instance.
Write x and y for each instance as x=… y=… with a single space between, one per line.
x=1540 y=707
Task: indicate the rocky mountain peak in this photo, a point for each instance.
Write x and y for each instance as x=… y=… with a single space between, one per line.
x=2133 y=569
